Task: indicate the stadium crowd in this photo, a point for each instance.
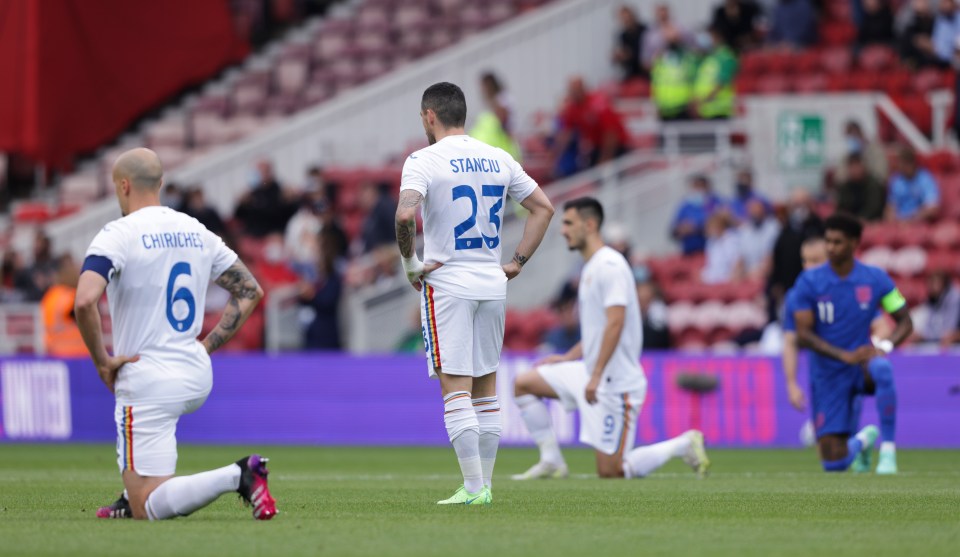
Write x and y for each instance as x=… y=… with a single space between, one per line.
x=329 y=234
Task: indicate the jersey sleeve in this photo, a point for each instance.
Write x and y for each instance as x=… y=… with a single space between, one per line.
x=415 y=176
x=789 y=306
x=521 y=185
x=223 y=256
x=614 y=286
x=111 y=243
x=804 y=298
x=891 y=300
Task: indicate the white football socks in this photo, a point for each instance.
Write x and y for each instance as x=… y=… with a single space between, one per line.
x=464 y=433
x=488 y=417
x=888 y=447
x=537 y=417
x=643 y=460
x=183 y=495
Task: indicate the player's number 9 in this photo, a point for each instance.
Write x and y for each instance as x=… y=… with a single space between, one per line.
x=474 y=242
x=175 y=295
x=608 y=424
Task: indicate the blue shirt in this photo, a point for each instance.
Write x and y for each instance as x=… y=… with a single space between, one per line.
x=909 y=195
x=843 y=309
x=697 y=213
x=739 y=205
x=790 y=306
x=945 y=30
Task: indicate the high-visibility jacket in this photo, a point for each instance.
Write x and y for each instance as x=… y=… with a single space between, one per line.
x=672 y=82
x=710 y=75
x=61 y=333
x=489 y=130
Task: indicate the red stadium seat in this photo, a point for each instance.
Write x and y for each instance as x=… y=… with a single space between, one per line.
x=943 y=260
x=810 y=83
x=836 y=60
x=877 y=58
x=946 y=235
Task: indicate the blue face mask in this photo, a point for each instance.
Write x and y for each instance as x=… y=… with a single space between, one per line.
x=854 y=145
x=697 y=198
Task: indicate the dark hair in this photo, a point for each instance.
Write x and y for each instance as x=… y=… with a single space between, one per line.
x=448 y=102
x=846 y=223
x=491 y=78
x=810 y=240
x=587 y=207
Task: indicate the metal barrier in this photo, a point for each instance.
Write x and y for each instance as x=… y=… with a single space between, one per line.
x=22 y=326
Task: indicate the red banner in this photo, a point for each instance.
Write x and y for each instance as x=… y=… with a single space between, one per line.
x=75 y=73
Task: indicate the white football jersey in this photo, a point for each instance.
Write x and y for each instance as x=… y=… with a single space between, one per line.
x=162 y=263
x=606 y=281
x=465 y=183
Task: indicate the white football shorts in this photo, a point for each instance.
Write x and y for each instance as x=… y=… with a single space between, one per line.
x=462 y=337
x=147 y=436
x=610 y=425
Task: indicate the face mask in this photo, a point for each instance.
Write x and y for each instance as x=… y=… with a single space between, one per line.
x=704 y=41
x=854 y=145
x=253 y=179
x=799 y=215
x=697 y=198
x=273 y=252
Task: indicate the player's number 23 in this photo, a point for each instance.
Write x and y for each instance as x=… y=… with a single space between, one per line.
x=461 y=243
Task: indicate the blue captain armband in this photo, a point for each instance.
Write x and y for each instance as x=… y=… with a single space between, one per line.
x=98 y=264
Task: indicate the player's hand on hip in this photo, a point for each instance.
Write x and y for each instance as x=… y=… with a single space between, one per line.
x=797 y=398
x=109 y=369
x=416 y=277
x=511 y=269
x=590 y=393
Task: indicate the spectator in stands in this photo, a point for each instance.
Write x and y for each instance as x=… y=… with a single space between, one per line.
x=861 y=194
x=626 y=50
x=653 y=310
x=379 y=226
x=713 y=94
x=61 y=334
x=724 y=261
x=744 y=193
x=936 y=319
x=663 y=32
x=946 y=28
x=916 y=41
x=872 y=153
x=794 y=24
x=11 y=267
x=493 y=125
x=758 y=234
x=33 y=281
x=196 y=206
x=323 y=297
x=265 y=209
x=739 y=23
x=876 y=24
x=566 y=334
x=914 y=195
x=172 y=196
x=672 y=77
x=302 y=237
x=591 y=130
x=690 y=222
x=801 y=223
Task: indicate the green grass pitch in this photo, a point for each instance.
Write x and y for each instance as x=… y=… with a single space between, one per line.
x=380 y=501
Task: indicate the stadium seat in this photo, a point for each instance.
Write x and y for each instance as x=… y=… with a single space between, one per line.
x=943 y=260
x=836 y=60
x=908 y=261
x=878 y=256
x=810 y=83
x=945 y=235
x=876 y=58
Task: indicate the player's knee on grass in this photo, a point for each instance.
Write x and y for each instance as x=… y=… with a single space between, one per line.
x=609 y=466
x=832 y=448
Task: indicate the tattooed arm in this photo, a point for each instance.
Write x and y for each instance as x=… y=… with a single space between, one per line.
x=541 y=211
x=407 y=235
x=245 y=294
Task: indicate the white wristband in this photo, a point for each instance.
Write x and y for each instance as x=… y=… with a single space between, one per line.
x=884 y=345
x=412 y=265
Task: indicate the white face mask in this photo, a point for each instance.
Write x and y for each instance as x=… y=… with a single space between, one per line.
x=273 y=252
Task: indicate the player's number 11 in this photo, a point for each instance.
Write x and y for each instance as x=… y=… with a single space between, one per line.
x=826 y=311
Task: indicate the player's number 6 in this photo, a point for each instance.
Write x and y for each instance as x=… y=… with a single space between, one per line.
x=181 y=294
